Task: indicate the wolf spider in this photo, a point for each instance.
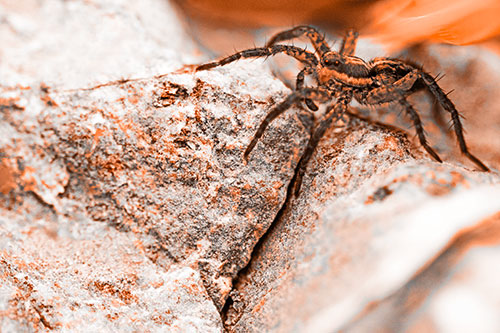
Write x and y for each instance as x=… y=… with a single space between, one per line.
x=341 y=76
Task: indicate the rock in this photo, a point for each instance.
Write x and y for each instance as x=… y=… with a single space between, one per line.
x=160 y=159
x=368 y=240
x=112 y=167
x=74 y=274
x=83 y=43
x=369 y=217
x=126 y=205
x=454 y=282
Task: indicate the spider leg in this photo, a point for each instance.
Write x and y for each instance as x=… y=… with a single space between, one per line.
x=391 y=92
x=349 y=43
x=437 y=115
x=448 y=105
x=334 y=111
x=300 y=85
x=396 y=91
x=319 y=94
x=381 y=64
x=301 y=55
x=419 y=128
x=317 y=40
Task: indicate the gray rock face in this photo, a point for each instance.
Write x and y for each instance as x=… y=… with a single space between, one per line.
x=83 y=43
x=90 y=277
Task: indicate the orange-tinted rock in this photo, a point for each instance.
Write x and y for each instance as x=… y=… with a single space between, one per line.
x=126 y=205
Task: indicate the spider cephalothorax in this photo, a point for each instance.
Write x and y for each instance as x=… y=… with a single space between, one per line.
x=340 y=77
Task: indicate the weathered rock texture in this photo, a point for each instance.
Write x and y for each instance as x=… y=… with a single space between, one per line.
x=125 y=204
x=157 y=158
x=375 y=232
x=361 y=229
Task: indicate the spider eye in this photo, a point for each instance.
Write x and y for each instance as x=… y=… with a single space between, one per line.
x=330 y=62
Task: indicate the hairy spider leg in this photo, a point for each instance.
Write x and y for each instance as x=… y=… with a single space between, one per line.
x=385 y=64
x=349 y=43
x=319 y=44
x=319 y=94
x=437 y=114
x=417 y=122
x=299 y=84
x=334 y=111
x=448 y=105
x=301 y=55
x=443 y=100
x=397 y=91
x=404 y=85
x=316 y=38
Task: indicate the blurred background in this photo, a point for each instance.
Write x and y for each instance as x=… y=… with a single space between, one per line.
x=226 y=24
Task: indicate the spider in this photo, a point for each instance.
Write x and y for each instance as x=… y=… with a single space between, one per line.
x=340 y=77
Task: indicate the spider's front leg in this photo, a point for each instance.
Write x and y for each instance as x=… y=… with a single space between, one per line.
x=299 y=85
x=308 y=58
x=318 y=94
x=334 y=111
x=317 y=39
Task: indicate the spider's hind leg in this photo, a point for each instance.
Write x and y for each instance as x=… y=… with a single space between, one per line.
x=417 y=122
x=396 y=92
x=448 y=105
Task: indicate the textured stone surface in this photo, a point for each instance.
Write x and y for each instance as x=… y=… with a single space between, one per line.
x=140 y=181
x=75 y=274
x=126 y=206
x=160 y=158
x=371 y=236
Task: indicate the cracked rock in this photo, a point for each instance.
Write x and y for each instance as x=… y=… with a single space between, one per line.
x=126 y=205
x=378 y=228
x=161 y=159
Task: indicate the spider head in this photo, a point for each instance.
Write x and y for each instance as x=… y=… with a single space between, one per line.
x=350 y=65
x=333 y=60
